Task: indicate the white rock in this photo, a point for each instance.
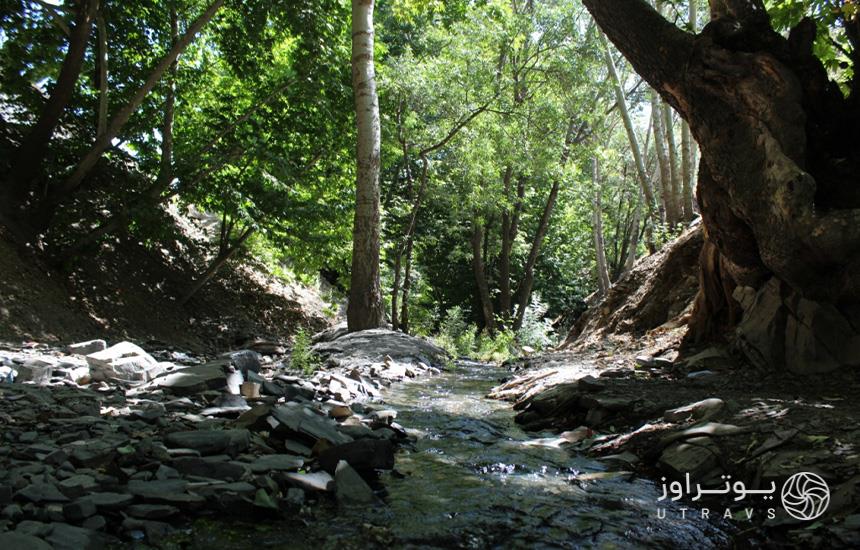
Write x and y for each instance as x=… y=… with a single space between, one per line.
x=124 y=361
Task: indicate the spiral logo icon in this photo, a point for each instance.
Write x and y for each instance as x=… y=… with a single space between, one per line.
x=805 y=496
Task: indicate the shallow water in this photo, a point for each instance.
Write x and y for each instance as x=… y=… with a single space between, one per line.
x=472 y=480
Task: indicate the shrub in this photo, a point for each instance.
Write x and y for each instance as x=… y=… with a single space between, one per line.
x=456 y=335
x=301 y=356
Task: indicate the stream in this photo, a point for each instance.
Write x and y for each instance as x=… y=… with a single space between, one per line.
x=474 y=479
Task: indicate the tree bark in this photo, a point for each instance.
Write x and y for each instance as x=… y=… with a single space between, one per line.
x=674 y=177
x=365 y=309
x=524 y=289
x=597 y=228
x=621 y=101
x=509 y=229
x=119 y=120
x=30 y=156
x=670 y=216
x=480 y=272
x=225 y=253
x=772 y=130
x=165 y=172
x=102 y=64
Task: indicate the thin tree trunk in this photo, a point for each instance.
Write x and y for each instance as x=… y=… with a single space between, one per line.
x=165 y=172
x=117 y=123
x=687 y=145
x=662 y=160
x=507 y=245
x=479 y=270
x=102 y=62
x=676 y=187
x=509 y=236
x=524 y=289
x=634 y=236
x=365 y=309
x=406 y=250
x=30 y=156
x=621 y=101
x=219 y=261
x=407 y=287
x=597 y=228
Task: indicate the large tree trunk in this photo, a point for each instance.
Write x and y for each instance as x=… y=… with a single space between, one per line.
x=365 y=310
x=777 y=180
x=30 y=156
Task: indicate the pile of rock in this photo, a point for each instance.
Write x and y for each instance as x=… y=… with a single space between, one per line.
x=104 y=443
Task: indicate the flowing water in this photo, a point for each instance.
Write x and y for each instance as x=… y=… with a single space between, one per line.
x=474 y=479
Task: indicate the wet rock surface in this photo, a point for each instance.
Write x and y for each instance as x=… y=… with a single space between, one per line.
x=104 y=445
x=702 y=420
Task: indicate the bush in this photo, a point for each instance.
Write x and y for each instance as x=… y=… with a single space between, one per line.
x=498 y=348
x=456 y=335
x=301 y=356
x=537 y=331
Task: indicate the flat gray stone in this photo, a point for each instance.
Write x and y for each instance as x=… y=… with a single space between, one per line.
x=110 y=501
x=80 y=509
x=151 y=511
x=42 y=492
x=303 y=420
x=68 y=537
x=192 y=380
x=269 y=463
x=88 y=347
x=156 y=489
x=214 y=467
x=349 y=487
x=210 y=442
x=316 y=481
x=18 y=541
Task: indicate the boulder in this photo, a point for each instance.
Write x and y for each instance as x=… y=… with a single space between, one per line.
x=267 y=463
x=316 y=481
x=88 y=347
x=696 y=457
x=37 y=371
x=125 y=362
x=780 y=327
x=364 y=454
x=245 y=360
x=700 y=410
x=192 y=380
x=214 y=467
x=18 y=541
x=349 y=487
x=357 y=349
x=301 y=419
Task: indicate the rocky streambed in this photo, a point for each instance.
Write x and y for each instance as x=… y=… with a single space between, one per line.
x=103 y=445
x=391 y=444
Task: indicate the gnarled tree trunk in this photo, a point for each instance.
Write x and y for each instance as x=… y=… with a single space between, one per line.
x=777 y=182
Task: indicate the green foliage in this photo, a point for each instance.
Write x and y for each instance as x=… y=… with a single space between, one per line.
x=456 y=335
x=537 y=331
x=301 y=357
x=497 y=348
